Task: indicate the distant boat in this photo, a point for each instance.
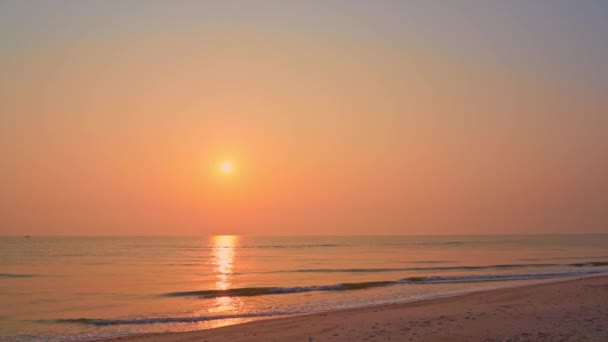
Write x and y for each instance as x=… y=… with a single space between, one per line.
x=27 y=236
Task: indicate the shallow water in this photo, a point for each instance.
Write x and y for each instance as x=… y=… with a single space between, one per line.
x=60 y=288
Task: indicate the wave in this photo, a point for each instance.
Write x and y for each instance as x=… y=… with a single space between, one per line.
x=261 y=291
x=322 y=245
x=591 y=263
x=444 y=243
x=293 y=246
x=264 y=291
x=436 y=268
x=491 y=277
x=567 y=258
x=401 y=269
x=14 y=275
x=153 y=320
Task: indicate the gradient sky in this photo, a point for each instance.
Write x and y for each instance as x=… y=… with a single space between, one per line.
x=341 y=117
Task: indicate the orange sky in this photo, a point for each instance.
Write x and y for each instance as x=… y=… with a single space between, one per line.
x=120 y=129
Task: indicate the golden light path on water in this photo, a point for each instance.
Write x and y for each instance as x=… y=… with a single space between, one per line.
x=223 y=262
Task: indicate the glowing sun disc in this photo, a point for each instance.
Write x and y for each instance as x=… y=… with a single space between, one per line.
x=226 y=167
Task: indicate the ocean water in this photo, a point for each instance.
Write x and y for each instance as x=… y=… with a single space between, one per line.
x=81 y=288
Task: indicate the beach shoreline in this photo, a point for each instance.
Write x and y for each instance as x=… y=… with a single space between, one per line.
x=565 y=310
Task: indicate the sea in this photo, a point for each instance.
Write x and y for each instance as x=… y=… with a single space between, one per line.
x=85 y=288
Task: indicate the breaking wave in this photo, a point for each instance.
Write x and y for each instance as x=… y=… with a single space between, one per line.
x=153 y=320
x=263 y=291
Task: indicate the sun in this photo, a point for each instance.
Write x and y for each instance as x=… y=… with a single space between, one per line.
x=226 y=167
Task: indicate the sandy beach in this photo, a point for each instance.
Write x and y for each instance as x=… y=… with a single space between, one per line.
x=573 y=310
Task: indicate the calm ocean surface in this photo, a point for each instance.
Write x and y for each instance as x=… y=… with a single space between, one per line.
x=78 y=288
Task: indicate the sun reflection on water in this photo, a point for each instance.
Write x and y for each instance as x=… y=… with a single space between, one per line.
x=223 y=261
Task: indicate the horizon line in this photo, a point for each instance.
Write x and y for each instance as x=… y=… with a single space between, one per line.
x=312 y=235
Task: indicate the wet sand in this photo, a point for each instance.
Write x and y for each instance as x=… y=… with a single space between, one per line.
x=573 y=310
